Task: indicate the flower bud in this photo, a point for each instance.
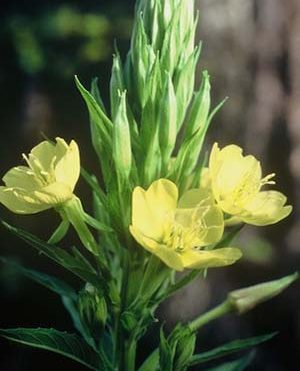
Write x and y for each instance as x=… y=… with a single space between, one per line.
x=92 y=307
x=243 y=300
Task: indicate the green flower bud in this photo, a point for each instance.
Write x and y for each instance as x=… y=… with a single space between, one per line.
x=122 y=141
x=92 y=307
x=243 y=300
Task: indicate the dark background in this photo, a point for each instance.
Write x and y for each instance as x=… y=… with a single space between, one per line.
x=252 y=51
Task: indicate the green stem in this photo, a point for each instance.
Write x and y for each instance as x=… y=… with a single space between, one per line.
x=130 y=354
x=211 y=315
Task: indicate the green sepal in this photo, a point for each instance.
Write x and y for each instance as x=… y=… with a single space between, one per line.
x=200 y=107
x=188 y=154
x=96 y=93
x=184 y=85
x=122 y=143
x=167 y=118
x=116 y=84
x=184 y=349
x=59 y=232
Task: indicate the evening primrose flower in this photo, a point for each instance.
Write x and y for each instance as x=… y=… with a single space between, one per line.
x=47 y=181
x=236 y=183
x=175 y=231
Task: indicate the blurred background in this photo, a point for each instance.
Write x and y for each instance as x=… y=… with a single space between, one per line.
x=252 y=51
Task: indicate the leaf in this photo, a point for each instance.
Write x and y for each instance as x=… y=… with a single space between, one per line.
x=151 y=363
x=68 y=345
x=229 y=348
x=75 y=263
x=101 y=130
x=72 y=309
x=97 y=115
x=166 y=353
x=239 y=365
x=52 y=283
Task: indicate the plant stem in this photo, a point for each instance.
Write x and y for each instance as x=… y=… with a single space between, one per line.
x=211 y=315
x=129 y=356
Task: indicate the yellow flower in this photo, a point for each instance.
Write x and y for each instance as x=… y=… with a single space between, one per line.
x=47 y=181
x=176 y=230
x=236 y=182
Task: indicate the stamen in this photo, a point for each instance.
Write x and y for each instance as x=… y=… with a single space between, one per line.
x=266 y=179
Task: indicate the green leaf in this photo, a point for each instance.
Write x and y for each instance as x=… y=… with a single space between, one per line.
x=75 y=263
x=166 y=354
x=97 y=115
x=151 y=363
x=72 y=309
x=101 y=131
x=68 y=345
x=52 y=283
x=239 y=365
x=229 y=348
x=184 y=350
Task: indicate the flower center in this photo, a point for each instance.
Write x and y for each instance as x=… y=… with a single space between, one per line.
x=44 y=176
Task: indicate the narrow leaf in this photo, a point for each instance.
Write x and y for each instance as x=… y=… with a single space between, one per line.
x=239 y=365
x=68 y=345
x=52 y=283
x=74 y=263
x=230 y=348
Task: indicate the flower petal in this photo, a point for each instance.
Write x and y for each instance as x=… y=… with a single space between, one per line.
x=213 y=221
x=154 y=209
x=20 y=201
x=44 y=152
x=171 y=258
x=22 y=177
x=193 y=197
x=67 y=169
x=198 y=259
x=266 y=208
x=53 y=194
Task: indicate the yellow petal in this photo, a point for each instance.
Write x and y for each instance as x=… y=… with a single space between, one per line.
x=45 y=152
x=198 y=259
x=20 y=201
x=153 y=209
x=213 y=221
x=53 y=194
x=67 y=169
x=266 y=208
x=171 y=258
x=194 y=197
x=22 y=177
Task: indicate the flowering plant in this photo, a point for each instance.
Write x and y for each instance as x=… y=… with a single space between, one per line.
x=159 y=206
